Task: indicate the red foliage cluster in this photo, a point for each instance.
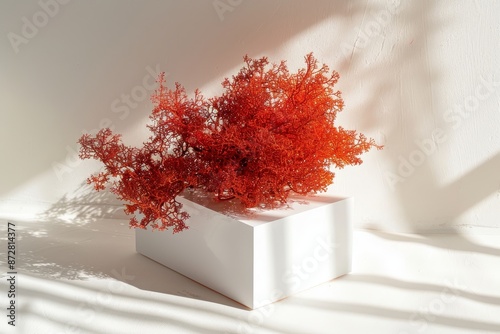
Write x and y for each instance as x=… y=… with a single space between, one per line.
x=269 y=134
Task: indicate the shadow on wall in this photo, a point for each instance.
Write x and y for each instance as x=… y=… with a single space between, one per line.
x=422 y=195
x=408 y=92
x=447 y=203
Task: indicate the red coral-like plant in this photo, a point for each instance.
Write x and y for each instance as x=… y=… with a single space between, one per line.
x=269 y=134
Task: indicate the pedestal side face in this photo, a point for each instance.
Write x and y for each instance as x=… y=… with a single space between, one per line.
x=216 y=251
x=302 y=250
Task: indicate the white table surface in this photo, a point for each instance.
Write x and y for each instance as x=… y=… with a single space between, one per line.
x=82 y=275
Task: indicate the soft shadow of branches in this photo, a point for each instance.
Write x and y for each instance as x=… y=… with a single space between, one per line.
x=82 y=206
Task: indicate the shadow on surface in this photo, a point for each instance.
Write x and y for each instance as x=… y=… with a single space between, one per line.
x=407 y=285
x=74 y=240
x=100 y=305
x=448 y=241
x=391 y=313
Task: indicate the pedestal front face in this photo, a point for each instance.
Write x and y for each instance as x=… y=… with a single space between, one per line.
x=260 y=257
x=215 y=251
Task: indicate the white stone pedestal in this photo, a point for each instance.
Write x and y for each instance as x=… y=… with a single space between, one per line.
x=261 y=257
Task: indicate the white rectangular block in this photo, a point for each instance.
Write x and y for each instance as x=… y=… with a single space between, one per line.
x=261 y=257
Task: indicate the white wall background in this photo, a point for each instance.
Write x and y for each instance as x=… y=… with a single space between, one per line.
x=421 y=77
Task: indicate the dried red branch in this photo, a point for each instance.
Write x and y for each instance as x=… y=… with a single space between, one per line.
x=269 y=134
